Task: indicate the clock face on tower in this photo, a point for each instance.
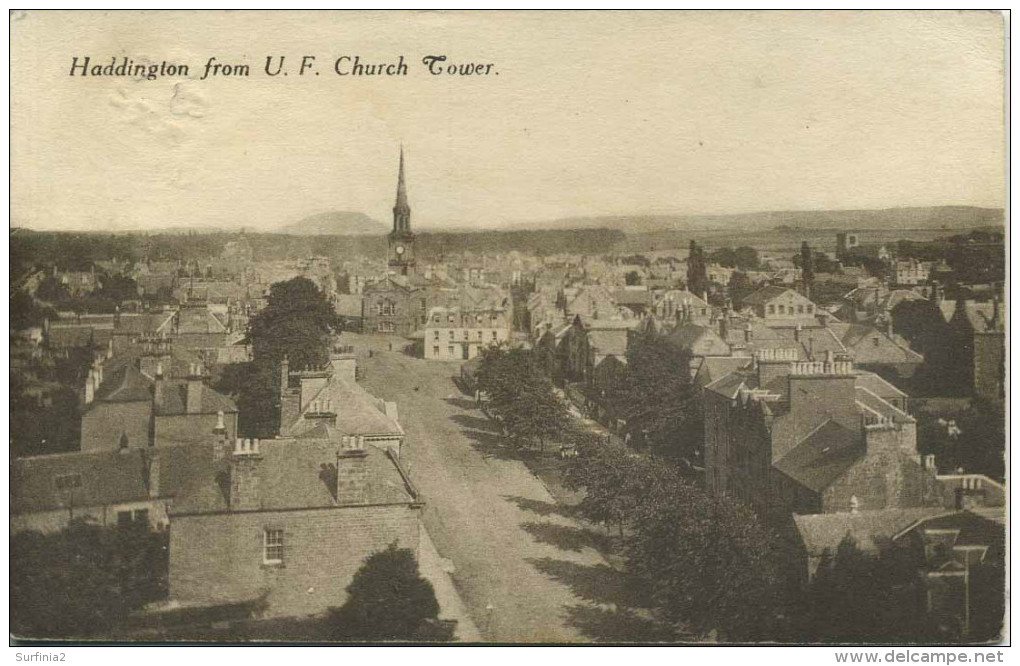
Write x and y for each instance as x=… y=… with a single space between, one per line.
x=400 y=250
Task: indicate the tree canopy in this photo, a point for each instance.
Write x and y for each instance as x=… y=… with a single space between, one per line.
x=656 y=397
x=82 y=581
x=388 y=599
x=296 y=322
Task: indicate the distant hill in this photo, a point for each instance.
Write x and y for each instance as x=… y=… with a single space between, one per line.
x=935 y=217
x=335 y=222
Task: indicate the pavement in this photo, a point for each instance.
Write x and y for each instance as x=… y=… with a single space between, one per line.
x=524 y=568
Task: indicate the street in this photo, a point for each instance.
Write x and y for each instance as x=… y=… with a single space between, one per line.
x=526 y=570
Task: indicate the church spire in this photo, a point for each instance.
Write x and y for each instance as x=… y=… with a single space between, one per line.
x=401 y=209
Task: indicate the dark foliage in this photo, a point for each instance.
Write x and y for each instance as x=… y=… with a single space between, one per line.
x=388 y=599
x=83 y=581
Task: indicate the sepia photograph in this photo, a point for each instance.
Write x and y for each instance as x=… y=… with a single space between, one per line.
x=453 y=328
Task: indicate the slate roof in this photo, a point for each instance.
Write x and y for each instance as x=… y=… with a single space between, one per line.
x=878 y=386
x=825 y=531
x=608 y=341
x=716 y=367
x=765 y=294
x=873 y=404
x=822 y=456
x=294 y=474
x=358 y=411
x=106 y=477
x=124 y=383
x=175 y=394
x=144 y=323
x=855 y=336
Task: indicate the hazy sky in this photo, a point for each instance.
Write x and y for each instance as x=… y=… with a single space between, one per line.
x=590 y=114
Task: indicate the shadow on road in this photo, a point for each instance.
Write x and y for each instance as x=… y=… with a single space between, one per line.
x=461 y=403
x=475 y=422
x=491 y=445
x=599 y=583
x=539 y=507
x=566 y=537
x=617 y=625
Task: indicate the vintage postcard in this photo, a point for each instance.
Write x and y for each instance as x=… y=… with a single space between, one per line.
x=454 y=327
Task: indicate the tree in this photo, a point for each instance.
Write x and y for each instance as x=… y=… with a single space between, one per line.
x=521 y=396
x=52 y=290
x=296 y=323
x=708 y=561
x=656 y=397
x=26 y=312
x=632 y=278
x=82 y=581
x=860 y=598
x=739 y=287
x=697 y=270
x=388 y=599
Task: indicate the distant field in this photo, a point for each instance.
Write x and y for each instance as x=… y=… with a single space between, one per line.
x=774 y=241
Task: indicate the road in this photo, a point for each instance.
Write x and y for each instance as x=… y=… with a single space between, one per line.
x=527 y=571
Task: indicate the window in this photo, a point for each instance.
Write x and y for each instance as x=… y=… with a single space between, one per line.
x=423 y=305
x=435 y=335
x=385 y=327
x=782 y=309
x=772 y=309
x=704 y=311
x=800 y=309
x=450 y=351
x=810 y=309
x=479 y=335
x=451 y=335
x=494 y=335
x=272 y=546
x=125 y=518
x=435 y=351
x=875 y=340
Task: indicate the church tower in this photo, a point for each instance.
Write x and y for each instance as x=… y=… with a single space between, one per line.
x=401 y=239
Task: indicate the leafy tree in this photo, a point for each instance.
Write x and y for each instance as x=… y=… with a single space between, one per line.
x=744 y=258
x=632 y=278
x=739 y=287
x=656 y=397
x=860 y=598
x=52 y=290
x=82 y=581
x=26 y=312
x=614 y=479
x=697 y=270
x=521 y=395
x=388 y=599
x=296 y=323
x=118 y=288
x=708 y=561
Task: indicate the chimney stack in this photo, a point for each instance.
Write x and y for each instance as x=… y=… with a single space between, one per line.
x=152 y=476
x=284 y=374
x=90 y=388
x=157 y=386
x=244 y=475
x=193 y=398
x=221 y=443
x=352 y=471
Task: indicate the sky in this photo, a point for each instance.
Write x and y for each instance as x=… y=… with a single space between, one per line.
x=582 y=114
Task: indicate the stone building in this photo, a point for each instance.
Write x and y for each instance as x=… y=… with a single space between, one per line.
x=456 y=334
x=790 y=436
x=286 y=523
